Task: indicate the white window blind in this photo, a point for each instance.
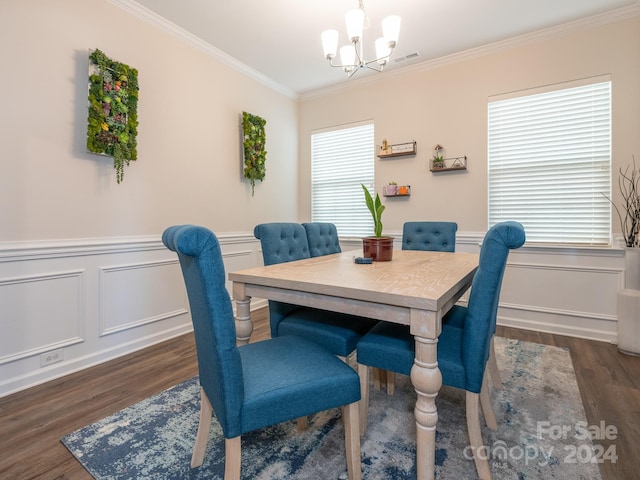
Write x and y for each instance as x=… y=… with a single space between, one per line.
x=342 y=159
x=549 y=158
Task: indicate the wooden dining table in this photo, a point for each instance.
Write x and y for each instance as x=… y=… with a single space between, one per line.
x=416 y=288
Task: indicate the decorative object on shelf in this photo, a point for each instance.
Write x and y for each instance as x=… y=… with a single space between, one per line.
x=112 y=125
x=391 y=189
x=385 y=149
x=378 y=247
x=398 y=150
x=254 y=139
x=352 y=55
x=439 y=163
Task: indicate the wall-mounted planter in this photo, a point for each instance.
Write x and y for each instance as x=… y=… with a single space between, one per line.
x=254 y=139
x=112 y=125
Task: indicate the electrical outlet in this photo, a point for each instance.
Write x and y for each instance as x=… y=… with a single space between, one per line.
x=51 y=357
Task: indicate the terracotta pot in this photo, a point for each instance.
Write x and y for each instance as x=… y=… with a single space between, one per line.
x=378 y=248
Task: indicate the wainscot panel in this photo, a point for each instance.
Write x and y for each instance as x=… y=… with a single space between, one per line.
x=68 y=305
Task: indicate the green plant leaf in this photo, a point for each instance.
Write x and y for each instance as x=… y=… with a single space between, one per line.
x=376 y=208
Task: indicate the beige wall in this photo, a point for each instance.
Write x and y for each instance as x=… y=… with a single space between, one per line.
x=189 y=164
x=448 y=105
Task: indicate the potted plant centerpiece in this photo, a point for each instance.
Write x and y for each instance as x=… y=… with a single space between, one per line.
x=377 y=247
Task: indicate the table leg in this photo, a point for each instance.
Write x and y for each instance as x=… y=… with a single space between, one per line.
x=427 y=380
x=244 y=325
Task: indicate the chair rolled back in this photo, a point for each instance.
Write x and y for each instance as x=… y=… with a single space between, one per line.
x=482 y=309
x=219 y=362
x=322 y=238
x=281 y=242
x=434 y=236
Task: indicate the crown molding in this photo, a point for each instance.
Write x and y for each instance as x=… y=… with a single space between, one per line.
x=143 y=13
x=593 y=21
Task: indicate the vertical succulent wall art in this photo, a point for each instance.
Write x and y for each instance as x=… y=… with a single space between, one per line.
x=255 y=156
x=113 y=110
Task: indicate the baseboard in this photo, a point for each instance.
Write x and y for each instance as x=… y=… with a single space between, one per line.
x=600 y=335
x=76 y=364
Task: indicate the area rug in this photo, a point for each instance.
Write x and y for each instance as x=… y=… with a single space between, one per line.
x=541 y=422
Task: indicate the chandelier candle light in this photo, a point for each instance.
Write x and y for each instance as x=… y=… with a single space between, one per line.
x=352 y=56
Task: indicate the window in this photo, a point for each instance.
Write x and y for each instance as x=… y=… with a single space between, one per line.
x=341 y=159
x=549 y=158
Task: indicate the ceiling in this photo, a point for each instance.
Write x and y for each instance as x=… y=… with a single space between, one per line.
x=280 y=39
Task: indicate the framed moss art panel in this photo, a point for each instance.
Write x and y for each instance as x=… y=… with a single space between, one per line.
x=113 y=110
x=254 y=139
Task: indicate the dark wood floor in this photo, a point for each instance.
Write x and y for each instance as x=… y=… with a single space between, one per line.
x=32 y=421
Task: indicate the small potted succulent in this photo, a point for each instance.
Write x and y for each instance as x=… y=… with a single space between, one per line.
x=437 y=162
x=391 y=189
x=378 y=247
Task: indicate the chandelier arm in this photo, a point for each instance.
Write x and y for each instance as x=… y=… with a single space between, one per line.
x=376 y=69
x=377 y=60
x=340 y=65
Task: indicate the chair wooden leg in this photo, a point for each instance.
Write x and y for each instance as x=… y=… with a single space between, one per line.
x=475 y=436
x=377 y=378
x=492 y=365
x=391 y=382
x=363 y=373
x=302 y=423
x=232 y=458
x=202 y=436
x=351 y=418
x=485 y=403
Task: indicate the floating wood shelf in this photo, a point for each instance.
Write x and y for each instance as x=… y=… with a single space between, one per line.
x=449 y=164
x=398 y=150
x=399 y=191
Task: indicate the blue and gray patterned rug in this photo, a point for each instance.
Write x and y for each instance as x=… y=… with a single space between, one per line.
x=154 y=438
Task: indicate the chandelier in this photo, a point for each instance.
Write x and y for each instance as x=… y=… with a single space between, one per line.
x=351 y=56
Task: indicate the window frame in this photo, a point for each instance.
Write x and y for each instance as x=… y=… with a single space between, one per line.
x=516 y=161
x=342 y=158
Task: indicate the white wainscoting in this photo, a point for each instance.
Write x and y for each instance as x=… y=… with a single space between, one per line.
x=89 y=301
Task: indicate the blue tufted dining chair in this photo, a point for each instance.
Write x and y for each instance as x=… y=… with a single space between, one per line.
x=259 y=384
x=429 y=236
x=433 y=236
x=440 y=236
x=322 y=238
x=337 y=332
x=463 y=350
